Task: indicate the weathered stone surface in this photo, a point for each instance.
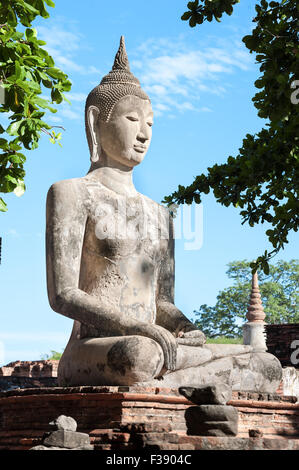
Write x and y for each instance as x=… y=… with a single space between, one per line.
x=212 y=420
x=254 y=334
x=255 y=433
x=213 y=428
x=66 y=423
x=212 y=394
x=213 y=413
x=41 y=447
x=68 y=439
x=290 y=381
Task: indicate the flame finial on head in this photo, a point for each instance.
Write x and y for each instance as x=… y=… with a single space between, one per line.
x=120 y=73
x=121 y=61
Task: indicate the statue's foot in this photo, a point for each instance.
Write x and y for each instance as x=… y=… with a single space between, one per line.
x=235 y=365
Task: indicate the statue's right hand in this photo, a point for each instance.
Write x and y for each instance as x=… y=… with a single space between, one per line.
x=163 y=337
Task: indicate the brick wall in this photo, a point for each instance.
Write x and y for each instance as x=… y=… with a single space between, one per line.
x=28 y=374
x=279 y=340
x=44 y=368
x=138 y=417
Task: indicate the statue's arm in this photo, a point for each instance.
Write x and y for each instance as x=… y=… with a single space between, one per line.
x=66 y=221
x=168 y=315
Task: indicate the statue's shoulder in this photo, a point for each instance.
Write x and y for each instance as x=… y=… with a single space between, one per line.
x=68 y=196
x=68 y=188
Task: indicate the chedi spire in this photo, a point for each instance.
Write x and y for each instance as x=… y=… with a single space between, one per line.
x=255 y=312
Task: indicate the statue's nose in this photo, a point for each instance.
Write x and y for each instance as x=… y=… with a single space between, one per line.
x=143 y=135
x=142 y=138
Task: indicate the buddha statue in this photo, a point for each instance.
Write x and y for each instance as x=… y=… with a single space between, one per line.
x=110 y=265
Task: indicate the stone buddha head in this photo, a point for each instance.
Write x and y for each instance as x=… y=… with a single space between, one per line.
x=118 y=116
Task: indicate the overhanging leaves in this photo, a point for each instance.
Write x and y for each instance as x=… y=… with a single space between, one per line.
x=25 y=68
x=263 y=179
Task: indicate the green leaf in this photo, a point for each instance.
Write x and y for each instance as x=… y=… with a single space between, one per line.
x=56 y=95
x=14 y=127
x=186 y=15
x=20 y=189
x=3 y=143
x=266 y=267
x=43 y=103
x=192 y=22
x=55 y=73
x=29 y=7
x=3 y=206
x=11 y=17
x=30 y=33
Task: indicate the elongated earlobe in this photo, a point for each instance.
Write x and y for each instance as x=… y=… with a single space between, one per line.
x=93 y=114
x=95 y=153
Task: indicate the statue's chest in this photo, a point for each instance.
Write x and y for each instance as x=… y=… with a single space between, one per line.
x=119 y=226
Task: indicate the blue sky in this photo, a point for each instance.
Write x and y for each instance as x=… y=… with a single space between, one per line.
x=201 y=82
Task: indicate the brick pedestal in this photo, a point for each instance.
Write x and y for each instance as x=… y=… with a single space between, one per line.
x=135 y=418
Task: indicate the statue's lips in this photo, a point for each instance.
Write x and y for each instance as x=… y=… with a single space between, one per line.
x=140 y=148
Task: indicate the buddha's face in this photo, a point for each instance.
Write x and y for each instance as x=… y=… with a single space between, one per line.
x=125 y=138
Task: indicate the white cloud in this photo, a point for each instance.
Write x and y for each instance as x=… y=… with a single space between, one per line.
x=63 y=46
x=12 y=232
x=58 y=38
x=176 y=76
x=81 y=97
x=54 y=119
x=70 y=114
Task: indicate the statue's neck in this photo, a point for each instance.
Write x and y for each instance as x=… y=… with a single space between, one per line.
x=113 y=175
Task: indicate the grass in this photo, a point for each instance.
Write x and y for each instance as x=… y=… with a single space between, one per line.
x=224 y=340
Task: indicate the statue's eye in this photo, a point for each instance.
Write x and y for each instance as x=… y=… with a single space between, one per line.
x=132 y=118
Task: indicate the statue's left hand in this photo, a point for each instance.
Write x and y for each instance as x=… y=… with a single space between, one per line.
x=191 y=338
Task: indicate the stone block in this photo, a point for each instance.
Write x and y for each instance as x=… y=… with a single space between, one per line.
x=213 y=413
x=68 y=439
x=214 y=394
x=42 y=447
x=212 y=420
x=67 y=423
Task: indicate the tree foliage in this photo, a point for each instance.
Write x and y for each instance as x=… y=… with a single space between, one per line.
x=208 y=10
x=26 y=69
x=53 y=356
x=279 y=291
x=263 y=179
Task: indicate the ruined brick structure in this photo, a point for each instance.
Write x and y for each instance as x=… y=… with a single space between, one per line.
x=120 y=418
x=28 y=374
x=279 y=341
